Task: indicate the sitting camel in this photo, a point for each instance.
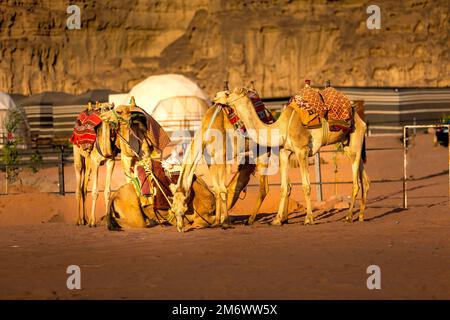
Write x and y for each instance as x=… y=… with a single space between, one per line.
x=294 y=137
x=125 y=210
x=216 y=121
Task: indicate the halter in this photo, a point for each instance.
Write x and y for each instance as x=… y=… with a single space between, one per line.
x=104 y=108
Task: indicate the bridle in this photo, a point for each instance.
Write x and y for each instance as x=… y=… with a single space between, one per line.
x=104 y=108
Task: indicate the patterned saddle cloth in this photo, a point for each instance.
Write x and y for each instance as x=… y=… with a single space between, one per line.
x=152 y=184
x=328 y=103
x=263 y=113
x=84 y=134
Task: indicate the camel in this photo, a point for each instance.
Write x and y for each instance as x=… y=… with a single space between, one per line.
x=118 y=120
x=215 y=121
x=125 y=210
x=87 y=162
x=293 y=137
x=127 y=124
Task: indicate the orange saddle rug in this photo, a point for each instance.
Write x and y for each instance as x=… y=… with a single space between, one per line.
x=330 y=104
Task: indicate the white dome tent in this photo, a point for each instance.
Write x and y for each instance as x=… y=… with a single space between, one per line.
x=6 y=105
x=174 y=100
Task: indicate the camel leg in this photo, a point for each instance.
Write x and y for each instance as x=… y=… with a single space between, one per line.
x=110 y=163
x=365 y=184
x=127 y=166
x=263 y=190
x=302 y=156
x=355 y=158
x=87 y=176
x=94 y=192
x=285 y=188
x=354 y=152
x=80 y=171
x=218 y=172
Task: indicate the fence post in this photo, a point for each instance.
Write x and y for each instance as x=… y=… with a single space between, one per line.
x=6 y=179
x=318 y=177
x=405 y=199
x=61 y=172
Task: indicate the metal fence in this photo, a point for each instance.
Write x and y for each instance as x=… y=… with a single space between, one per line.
x=60 y=156
x=57 y=156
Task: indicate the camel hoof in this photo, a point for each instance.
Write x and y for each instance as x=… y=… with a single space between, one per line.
x=249 y=222
x=215 y=225
x=361 y=219
x=226 y=226
x=309 y=222
x=81 y=223
x=348 y=219
x=180 y=229
x=92 y=224
x=276 y=222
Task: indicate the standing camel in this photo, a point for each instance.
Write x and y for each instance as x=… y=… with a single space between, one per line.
x=212 y=138
x=89 y=161
x=294 y=137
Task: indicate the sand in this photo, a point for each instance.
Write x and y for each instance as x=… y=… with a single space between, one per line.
x=39 y=240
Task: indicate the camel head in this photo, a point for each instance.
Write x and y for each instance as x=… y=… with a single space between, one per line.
x=104 y=129
x=179 y=206
x=221 y=97
x=236 y=94
x=117 y=115
x=228 y=97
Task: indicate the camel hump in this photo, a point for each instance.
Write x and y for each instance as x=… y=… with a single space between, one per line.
x=337 y=104
x=310 y=100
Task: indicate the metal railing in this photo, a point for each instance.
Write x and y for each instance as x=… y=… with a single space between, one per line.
x=405 y=159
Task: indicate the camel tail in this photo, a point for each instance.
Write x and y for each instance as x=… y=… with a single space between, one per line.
x=363 y=151
x=111 y=221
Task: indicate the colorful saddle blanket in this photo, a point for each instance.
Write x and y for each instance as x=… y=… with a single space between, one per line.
x=263 y=113
x=155 y=132
x=84 y=134
x=329 y=104
x=152 y=185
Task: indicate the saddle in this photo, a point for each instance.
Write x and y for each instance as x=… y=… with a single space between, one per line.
x=155 y=132
x=152 y=184
x=329 y=103
x=263 y=113
x=84 y=134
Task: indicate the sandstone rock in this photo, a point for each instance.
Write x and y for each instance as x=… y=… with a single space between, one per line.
x=276 y=43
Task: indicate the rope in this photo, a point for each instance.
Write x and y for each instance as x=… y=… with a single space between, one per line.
x=160 y=188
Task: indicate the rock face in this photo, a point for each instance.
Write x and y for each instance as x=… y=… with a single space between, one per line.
x=276 y=43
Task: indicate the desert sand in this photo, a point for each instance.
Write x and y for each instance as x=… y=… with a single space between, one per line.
x=39 y=240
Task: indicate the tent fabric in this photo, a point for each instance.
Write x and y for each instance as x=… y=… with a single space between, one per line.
x=150 y=92
x=180 y=113
x=7 y=104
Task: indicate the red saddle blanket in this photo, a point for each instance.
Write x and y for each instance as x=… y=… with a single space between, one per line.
x=84 y=134
x=263 y=113
x=161 y=186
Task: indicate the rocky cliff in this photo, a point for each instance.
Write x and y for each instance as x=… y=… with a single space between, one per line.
x=276 y=43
